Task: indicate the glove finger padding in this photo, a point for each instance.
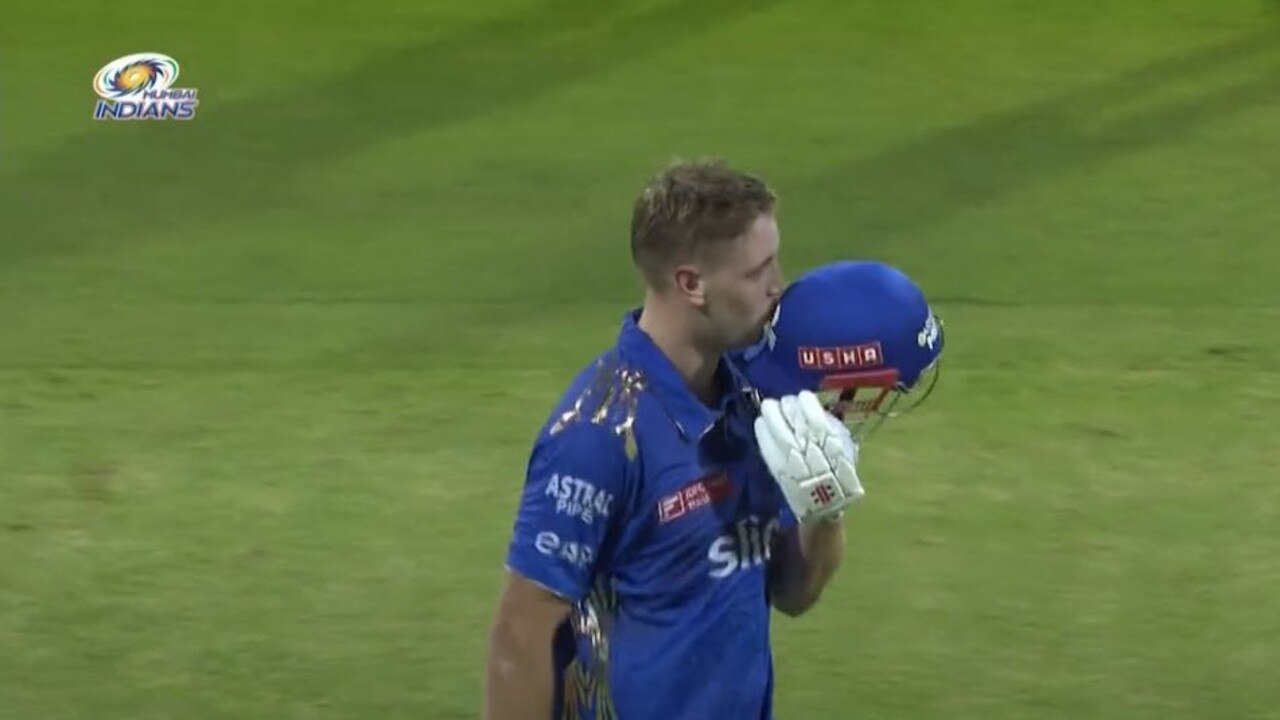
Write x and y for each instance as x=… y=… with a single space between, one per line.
x=795 y=417
x=836 y=437
x=838 y=445
x=774 y=456
x=812 y=409
x=787 y=440
x=777 y=425
x=778 y=447
x=847 y=476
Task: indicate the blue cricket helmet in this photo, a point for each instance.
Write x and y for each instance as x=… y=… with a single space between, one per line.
x=858 y=333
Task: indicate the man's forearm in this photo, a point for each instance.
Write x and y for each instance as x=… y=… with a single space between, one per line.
x=519 y=677
x=822 y=545
x=809 y=561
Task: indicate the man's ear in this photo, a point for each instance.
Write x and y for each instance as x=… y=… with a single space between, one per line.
x=690 y=285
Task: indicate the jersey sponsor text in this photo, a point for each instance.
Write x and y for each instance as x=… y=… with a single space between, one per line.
x=747 y=546
x=579 y=498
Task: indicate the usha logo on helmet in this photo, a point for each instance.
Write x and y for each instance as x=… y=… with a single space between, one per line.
x=863 y=387
x=140 y=87
x=848 y=357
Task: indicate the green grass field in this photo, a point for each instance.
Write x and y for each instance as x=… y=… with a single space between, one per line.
x=268 y=378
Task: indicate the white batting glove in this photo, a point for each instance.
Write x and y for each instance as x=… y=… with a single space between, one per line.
x=811 y=455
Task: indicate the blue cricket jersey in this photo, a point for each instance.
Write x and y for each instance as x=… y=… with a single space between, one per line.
x=655 y=516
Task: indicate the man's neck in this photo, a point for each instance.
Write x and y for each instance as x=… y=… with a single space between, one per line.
x=670 y=331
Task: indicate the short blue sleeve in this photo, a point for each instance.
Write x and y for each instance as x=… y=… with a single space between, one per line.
x=574 y=492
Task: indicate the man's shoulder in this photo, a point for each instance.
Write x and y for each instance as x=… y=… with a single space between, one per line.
x=600 y=402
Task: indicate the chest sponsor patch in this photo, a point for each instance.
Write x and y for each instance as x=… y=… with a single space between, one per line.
x=703 y=491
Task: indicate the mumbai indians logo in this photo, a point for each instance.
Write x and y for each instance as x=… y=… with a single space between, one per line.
x=140 y=87
x=928 y=335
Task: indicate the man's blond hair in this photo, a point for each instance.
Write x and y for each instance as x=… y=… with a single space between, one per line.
x=690 y=211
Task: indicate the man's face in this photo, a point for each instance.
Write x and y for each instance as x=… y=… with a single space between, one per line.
x=743 y=285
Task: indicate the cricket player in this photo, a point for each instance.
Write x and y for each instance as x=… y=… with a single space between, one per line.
x=636 y=583
x=653 y=536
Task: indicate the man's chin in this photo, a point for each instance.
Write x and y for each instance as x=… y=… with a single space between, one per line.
x=763 y=327
x=748 y=340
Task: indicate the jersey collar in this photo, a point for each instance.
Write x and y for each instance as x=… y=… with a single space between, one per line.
x=692 y=417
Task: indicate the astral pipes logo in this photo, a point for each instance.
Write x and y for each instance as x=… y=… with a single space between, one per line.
x=140 y=87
